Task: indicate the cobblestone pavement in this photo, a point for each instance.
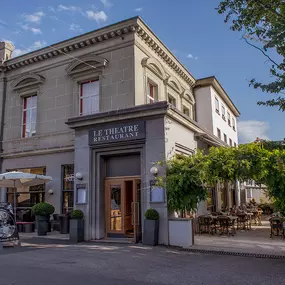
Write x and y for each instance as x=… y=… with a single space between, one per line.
x=93 y=263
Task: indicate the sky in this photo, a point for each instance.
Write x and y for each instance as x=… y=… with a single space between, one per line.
x=191 y=29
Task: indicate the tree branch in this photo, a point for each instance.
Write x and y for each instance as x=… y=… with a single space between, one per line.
x=258 y=48
x=268 y=8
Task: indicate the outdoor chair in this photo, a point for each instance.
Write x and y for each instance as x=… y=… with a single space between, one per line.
x=276 y=227
x=206 y=225
x=226 y=225
x=243 y=222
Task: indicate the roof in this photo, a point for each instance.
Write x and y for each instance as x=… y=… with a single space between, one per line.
x=212 y=81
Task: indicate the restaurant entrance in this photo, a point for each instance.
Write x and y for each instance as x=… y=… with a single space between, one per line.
x=122 y=211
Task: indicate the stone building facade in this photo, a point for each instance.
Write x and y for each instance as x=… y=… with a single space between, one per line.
x=96 y=112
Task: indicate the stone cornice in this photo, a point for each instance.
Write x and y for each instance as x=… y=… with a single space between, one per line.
x=68 y=46
x=161 y=50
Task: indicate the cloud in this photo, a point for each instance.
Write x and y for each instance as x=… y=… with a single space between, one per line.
x=75 y=28
x=106 y=3
x=36 y=31
x=191 y=56
x=97 y=16
x=51 y=9
x=250 y=130
x=139 y=9
x=68 y=8
x=34 y=18
x=34 y=46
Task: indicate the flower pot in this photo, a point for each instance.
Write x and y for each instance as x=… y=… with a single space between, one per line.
x=76 y=230
x=151 y=232
x=64 y=224
x=42 y=225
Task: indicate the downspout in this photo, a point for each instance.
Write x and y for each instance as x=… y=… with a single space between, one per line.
x=4 y=80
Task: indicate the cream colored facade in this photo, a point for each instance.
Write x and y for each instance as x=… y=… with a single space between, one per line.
x=124 y=57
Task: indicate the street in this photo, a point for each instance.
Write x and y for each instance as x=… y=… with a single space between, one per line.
x=99 y=264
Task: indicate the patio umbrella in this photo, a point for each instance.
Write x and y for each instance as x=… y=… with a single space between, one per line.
x=16 y=179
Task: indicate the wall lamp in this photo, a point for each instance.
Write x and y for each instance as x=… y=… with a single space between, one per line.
x=50 y=191
x=154 y=170
x=79 y=176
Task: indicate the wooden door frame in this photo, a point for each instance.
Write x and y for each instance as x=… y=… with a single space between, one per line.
x=119 y=181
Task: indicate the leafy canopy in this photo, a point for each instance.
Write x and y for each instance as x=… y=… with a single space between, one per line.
x=263 y=25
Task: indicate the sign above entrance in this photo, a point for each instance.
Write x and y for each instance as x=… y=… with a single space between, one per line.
x=117 y=132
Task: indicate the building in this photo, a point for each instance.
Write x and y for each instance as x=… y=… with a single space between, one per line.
x=96 y=112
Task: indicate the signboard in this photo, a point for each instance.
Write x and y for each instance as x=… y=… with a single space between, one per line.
x=81 y=193
x=117 y=132
x=156 y=193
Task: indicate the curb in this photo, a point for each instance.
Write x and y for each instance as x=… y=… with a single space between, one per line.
x=231 y=253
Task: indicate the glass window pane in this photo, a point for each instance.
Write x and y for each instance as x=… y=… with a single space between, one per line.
x=68 y=177
x=68 y=201
x=94 y=102
x=115 y=206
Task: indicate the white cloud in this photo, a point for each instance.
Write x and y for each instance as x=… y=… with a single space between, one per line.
x=139 y=9
x=34 y=46
x=191 y=56
x=67 y=8
x=34 y=18
x=36 y=31
x=106 y=3
x=52 y=9
x=250 y=130
x=75 y=28
x=97 y=16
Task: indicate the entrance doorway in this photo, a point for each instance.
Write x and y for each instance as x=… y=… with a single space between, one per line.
x=122 y=211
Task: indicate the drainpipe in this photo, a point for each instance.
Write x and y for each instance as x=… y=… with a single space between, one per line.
x=2 y=123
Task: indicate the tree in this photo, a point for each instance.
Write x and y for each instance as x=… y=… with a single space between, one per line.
x=263 y=25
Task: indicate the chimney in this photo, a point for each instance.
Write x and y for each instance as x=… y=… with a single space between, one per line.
x=6 y=49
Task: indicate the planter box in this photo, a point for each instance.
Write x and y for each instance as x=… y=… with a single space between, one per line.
x=64 y=224
x=151 y=232
x=42 y=225
x=76 y=230
x=181 y=232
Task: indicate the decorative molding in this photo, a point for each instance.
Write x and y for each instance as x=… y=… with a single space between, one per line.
x=27 y=81
x=174 y=84
x=155 y=66
x=86 y=64
x=188 y=97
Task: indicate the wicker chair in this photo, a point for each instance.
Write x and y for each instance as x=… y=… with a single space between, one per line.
x=206 y=225
x=227 y=226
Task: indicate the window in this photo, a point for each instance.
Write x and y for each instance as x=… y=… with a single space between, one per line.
x=89 y=98
x=186 y=111
x=67 y=187
x=217 y=105
x=151 y=93
x=211 y=200
x=219 y=133
x=171 y=100
x=231 y=142
x=229 y=118
x=28 y=196
x=225 y=138
x=235 y=144
x=248 y=193
x=234 y=124
x=223 y=112
x=29 y=117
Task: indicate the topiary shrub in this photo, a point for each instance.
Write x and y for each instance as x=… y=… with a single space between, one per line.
x=77 y=215
x=151 y=214
x=43 y=209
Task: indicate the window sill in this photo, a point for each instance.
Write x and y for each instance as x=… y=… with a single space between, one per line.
x=217 y=111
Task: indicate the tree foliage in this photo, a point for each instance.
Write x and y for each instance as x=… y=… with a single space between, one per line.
x=188 y=177
x=263 y=25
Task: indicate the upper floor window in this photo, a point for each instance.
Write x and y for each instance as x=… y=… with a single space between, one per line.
x=151 y=95
x=231 y=142
x=219 y=133
x=89 y=98
x=29 y=116
x=171 y=100
x=225 y=138
x=217 y=105
x=234 y=124
x=229 y=118
x=186 y=111
x=223 y=112
x=235 y=145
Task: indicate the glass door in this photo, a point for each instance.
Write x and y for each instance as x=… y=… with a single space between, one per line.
x=115 y=208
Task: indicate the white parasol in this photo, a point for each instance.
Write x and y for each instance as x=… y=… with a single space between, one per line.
x=16 y=179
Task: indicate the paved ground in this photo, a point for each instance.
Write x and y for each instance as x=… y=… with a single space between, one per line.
x=256 y=241
x=106 y=264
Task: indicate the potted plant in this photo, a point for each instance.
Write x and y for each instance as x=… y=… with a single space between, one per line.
x=42 y=211
x=76 y=229
x=151 y=227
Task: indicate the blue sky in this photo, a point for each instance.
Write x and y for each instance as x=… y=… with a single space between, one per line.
x=192 y=30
